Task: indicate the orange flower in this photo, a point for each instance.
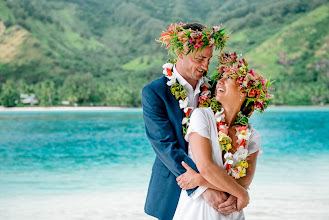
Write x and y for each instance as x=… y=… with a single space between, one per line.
x=169 y=72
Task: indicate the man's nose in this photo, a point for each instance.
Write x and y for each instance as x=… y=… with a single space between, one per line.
x=205 y=64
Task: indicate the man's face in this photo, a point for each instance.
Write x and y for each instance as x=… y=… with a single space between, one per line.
x=193 y=66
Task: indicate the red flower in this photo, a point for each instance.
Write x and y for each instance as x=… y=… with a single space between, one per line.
x=252 y=93
x=227 y=167
x=188 y=112
x=169 y=72
x=204 y=88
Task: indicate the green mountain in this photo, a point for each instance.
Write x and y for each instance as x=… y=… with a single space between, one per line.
x=102 y=52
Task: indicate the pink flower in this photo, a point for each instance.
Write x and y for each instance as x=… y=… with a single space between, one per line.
x=193 y=34
x=259 y=105
x=263 y=80
x=196 y=46
x=202 y=99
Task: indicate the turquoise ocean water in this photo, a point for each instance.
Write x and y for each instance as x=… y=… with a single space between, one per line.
x=53 y=153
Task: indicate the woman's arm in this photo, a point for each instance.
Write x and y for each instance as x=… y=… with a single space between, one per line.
x=252 y=160
x=212 y=173
x=191 y=179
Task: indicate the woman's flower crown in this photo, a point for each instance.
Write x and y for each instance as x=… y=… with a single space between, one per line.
x=178 y=39
x=256 y=87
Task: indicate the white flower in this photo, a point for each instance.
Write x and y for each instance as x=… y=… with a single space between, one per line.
x=172 y=80
x=185 y=121
x=219 y=116
x=212 y=41
x=244 y=136
x=183 y=103
x=206 y=82
x=167 y=65
x=235 y=174
x=207 y=92
x=242 y=153
x=228 y=156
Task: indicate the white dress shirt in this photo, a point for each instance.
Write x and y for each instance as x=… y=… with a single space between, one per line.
x=193 y=96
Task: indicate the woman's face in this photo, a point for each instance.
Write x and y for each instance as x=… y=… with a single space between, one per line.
x=227 y=90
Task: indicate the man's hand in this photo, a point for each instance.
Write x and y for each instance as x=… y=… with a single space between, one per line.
x=214 y=198
x=229 y=206
x=190 y=179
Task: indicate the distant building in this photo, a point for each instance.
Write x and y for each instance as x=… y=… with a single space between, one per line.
x=29 y=99
x=65 y=102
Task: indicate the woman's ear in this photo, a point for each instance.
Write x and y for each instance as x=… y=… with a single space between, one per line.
x=244 y=93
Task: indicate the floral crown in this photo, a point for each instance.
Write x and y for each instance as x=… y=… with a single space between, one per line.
x=176 y=38
x=257 y=88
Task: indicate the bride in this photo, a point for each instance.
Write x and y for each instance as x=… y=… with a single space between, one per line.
x=222 y=143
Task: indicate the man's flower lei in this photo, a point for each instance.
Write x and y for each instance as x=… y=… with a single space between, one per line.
x=178 y=39
x=256 y=86
x=180 y=93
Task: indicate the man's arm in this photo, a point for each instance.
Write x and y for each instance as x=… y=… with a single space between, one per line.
x=161 y=134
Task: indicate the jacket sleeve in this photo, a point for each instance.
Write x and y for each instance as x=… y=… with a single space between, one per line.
x=161 y=134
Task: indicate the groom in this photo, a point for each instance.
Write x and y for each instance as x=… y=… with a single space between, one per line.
x=163 y=121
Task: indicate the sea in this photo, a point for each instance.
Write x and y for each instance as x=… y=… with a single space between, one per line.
x=97 y=165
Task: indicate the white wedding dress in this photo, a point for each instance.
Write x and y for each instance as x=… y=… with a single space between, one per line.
x=203 y=122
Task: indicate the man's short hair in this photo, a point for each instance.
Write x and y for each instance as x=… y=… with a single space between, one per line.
x=194 y=26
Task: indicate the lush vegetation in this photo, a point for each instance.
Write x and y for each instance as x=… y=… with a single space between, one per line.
x=102 y=52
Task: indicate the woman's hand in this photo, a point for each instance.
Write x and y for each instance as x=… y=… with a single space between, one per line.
x=242 y=201
x=190 y=179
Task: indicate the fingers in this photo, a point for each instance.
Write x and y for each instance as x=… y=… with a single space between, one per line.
x=186 y=166
x=229 y=202
x=228 y=207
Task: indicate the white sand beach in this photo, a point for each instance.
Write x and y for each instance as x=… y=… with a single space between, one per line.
x=267 y=202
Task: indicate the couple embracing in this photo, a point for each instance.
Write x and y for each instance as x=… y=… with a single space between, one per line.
x=206 y=151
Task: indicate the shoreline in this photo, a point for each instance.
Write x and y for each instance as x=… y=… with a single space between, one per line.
x=67 y=108
x=137 y=109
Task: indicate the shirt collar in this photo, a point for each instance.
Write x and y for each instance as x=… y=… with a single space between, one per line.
x=183 y=82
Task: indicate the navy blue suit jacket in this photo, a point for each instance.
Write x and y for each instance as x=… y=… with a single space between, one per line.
x=163 y=124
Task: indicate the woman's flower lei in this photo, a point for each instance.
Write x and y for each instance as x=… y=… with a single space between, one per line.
x=180 y=93
x=178 y=39
x=235 y=164
x=256 y=86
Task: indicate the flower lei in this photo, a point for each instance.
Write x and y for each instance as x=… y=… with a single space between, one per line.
x=235 y=164
x=180 y=93
x=256 y=86
x=177 y=39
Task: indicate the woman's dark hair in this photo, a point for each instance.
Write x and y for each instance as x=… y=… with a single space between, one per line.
x=247 y=110
x=194 y=26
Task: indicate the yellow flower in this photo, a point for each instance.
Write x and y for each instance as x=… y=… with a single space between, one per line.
x=243 y=164
x=204 y=104
x=228 y=147
x=183 y=94
x=177 y=95
x=242 y=173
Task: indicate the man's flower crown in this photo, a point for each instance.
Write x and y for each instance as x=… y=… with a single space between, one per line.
x=256 y=87
x=178 y=39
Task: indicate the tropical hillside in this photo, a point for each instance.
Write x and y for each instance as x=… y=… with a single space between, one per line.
x=102 y=52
